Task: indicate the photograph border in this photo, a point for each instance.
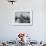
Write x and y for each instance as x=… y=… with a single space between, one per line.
x=23 y=24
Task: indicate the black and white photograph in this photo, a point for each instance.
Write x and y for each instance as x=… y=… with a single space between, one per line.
x=23 y=18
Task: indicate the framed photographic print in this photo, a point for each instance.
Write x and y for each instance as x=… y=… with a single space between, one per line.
x=22 y=17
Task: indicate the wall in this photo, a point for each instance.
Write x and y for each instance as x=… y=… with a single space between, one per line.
x=37 y=30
